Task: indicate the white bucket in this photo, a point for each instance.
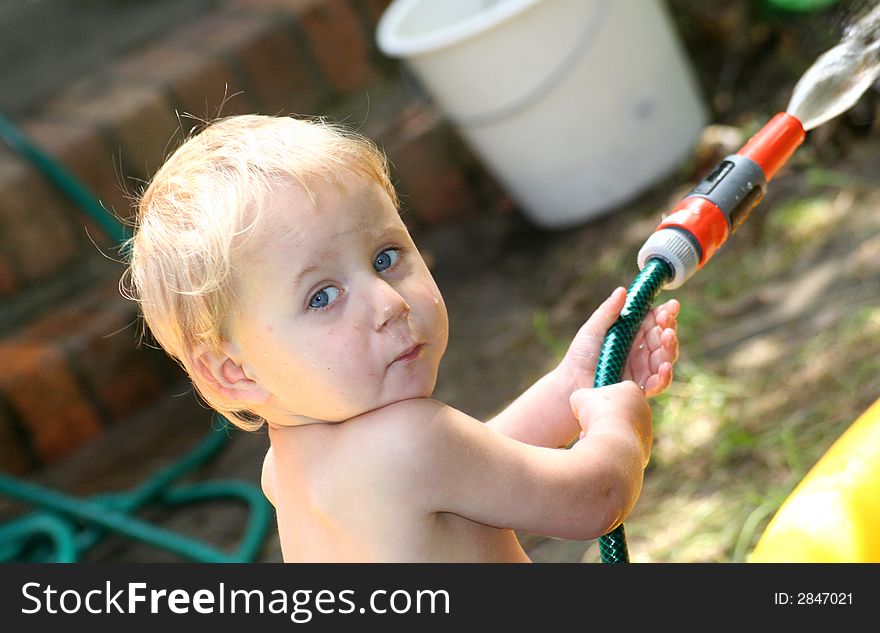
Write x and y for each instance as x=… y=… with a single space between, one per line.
x=576 y=106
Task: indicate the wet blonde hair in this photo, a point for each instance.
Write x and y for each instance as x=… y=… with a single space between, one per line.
x=202 y=201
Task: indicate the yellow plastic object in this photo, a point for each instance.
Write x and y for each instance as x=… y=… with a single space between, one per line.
x=833 y=515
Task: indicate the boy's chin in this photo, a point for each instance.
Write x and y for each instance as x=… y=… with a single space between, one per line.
x=411 y=392
x=414 y=388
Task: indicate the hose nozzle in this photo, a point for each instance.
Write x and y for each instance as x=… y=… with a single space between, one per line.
x=706 y=217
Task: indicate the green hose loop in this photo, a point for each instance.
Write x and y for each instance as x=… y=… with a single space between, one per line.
x=612 y=359
x=154 y=488
x=74 y=525
x=259 y=515
x=16 y=536
x=96 y=514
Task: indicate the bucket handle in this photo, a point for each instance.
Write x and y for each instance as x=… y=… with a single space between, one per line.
x=578 y=52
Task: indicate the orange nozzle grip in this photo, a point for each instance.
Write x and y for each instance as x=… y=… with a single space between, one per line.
x=774 y=143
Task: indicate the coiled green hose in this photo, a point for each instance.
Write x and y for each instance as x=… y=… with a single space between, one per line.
x=612 y=358
x=74 y=525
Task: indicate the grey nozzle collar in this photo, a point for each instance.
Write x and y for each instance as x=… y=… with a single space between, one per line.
x=674 y=248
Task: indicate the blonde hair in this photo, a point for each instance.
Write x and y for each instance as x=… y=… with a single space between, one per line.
x=206 y=196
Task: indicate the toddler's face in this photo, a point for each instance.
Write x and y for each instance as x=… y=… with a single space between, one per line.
x=337 y=311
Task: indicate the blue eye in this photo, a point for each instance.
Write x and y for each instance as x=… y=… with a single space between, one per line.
x=324 y=297
x=386 y=259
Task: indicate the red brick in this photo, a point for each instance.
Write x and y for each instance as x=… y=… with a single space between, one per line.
x=371 y=10
x=160 y=64
x=284 y=7
x=121 y=375
x=262 y=46
x=8 y=285
x=342 y=48
x=80 y=149
x=200 y=82
x=428 y=169
x=39 y=386
x=124 y=377
x=15 y=453
x=139 y=119
x=71 y=320
x=80 y=367
x=279 y=74
x=36 y=238
x=220 y=34
x=213 y=92
x=97 y=332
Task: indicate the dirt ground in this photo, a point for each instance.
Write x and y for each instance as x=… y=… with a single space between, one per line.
x=780 y=333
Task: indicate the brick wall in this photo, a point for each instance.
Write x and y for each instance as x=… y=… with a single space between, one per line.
x=71 y=363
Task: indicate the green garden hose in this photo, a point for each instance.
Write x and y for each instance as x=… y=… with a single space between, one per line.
x=612 y=359
x=95 y=516
x=686 y=239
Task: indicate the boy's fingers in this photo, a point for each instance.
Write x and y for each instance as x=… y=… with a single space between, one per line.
x=606 y=314
x=669 y=341
x=583 y=399
x=666 y=351
x=666 y=315
x=658 y=383
x=591 y=398
x=672 y=306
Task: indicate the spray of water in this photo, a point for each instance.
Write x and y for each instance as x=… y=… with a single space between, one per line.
x=839 y=76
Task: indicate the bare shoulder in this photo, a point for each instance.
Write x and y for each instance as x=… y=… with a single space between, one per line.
x=403 y=441
x=406 y=425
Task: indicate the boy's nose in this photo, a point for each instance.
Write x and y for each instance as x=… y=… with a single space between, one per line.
x=390 y=305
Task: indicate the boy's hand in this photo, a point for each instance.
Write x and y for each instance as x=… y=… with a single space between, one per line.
x=619 y=409
x=654 y=350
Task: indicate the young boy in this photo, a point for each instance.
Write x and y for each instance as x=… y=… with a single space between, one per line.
x=271 y=262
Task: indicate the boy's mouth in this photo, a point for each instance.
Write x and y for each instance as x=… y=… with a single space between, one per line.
x=409 y=354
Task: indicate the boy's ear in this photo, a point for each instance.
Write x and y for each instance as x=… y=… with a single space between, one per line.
x=226 y=376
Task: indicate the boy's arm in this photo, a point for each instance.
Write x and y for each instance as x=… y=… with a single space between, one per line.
x=453 y=463
x=542 y=415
